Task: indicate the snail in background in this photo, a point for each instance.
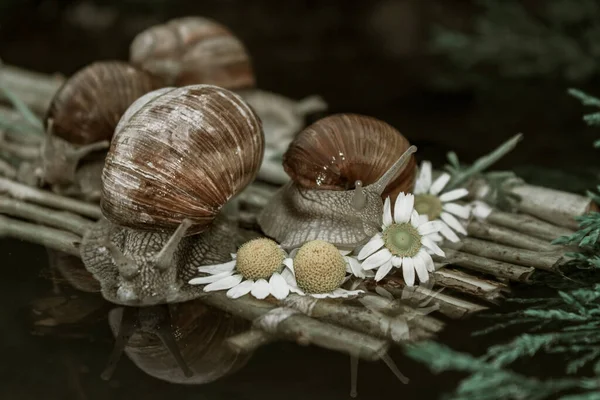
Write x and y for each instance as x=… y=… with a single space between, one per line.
x=342 y=167
x=192 y=335
x=81 y=120
x=177 y=157
x=197 y=50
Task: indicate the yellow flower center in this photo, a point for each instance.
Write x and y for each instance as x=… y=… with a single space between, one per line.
x=402 y=240
x=259 y=259
x=428 y=204
x=319 y=267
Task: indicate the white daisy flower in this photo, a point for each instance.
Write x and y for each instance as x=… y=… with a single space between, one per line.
x=255 y=269
x=431 y=201
x=318 y=269
x=404 y=242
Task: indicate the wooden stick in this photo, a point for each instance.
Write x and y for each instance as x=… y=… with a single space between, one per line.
x=21 y=151
x=301 y=328
x=7 y=170
x=49 y=237
x=30 y=137
x=35 y=89
x=481 y=264
x=42 y=215
x=547 y=261
x=468 y=284
x=361 y=319
x=498 y=234
x=26 y=193
x=249 y=341
x=529 y=225
x=450 y=306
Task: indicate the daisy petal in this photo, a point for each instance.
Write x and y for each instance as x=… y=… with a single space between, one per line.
x=288 y=262
x=345 y=252
x=240 y=290
x=387 y=213
x=225 y=283
x=439 y=184
x=431 y=245
x=449 y=234
x=403 y=208
x=424 y=180
x=460 y=211
x=260 y=289
x=430 y=227
x=355 y=267
x=424 y=255
x=415 y=219
x=421 y=269
x=374 y=244
x=289 y=277
x=218 y=268
x=436 y=237
x=377 y=259
x=278 y=287
x=480 y=209
x=453 y=222
x=203 y=280
x=383 y=271
x=396 y=261
x=454 y=195
x=408 y=271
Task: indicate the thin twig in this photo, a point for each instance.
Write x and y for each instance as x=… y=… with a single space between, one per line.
x=498 y=234
x=249 y=341
x=529 y=225
x=42 y=197
x=42 y=215
x=463 y=282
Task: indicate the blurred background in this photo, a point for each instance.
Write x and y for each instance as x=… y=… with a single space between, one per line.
x=449 y=74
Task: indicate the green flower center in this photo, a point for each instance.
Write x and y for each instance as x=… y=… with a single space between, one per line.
x=402 y=240
x=428 y=204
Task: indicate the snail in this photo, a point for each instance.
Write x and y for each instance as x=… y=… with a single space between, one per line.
x=73 y=271
x=177 y=157
x=340 y=166
x=181 y=343
x=193 y=50
x=197 y=50
x=81 y=120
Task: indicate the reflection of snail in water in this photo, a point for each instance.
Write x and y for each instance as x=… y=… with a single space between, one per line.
x=81 y=120
x=340 y=166
x=197 y=50
x=172 y=166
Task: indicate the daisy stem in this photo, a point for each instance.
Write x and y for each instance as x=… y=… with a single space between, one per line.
x=507 y=236
x=488 y=266
x=483 y=163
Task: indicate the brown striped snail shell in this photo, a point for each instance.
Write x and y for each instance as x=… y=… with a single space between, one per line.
x=83 y=115
x=338 y=150
x=181 y=343
x=193 y=50
x=322 y=201
x=182 y=155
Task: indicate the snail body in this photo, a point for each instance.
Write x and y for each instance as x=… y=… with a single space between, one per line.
x=173 y=164
x=82 y=117
x=193 y=50
x=181 y=343
x=339 y=202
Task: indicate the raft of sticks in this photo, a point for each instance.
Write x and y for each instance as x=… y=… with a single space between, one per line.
x=501 y=249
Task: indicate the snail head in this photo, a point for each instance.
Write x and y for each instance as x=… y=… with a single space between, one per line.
x=146 y=267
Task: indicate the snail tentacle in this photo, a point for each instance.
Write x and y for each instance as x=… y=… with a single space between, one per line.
x=127 y=327
x=165 y=258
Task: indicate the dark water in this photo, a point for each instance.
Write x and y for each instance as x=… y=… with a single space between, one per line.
x=366 y=57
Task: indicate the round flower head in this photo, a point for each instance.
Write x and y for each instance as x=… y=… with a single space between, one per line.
x=431 y=201
x=319 y=269
x=404 y=242
x=255 y=269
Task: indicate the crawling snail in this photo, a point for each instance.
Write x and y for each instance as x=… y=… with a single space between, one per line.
x=341 y=166
x=177 y=157
x=197 y=50
x=81 y=120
